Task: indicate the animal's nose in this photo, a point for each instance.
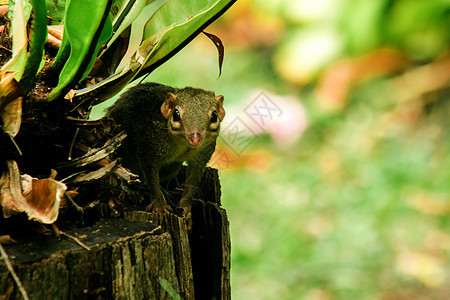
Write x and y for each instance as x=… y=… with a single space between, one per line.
x=195 y=139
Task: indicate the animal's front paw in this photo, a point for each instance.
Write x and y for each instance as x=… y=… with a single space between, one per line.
x=159 y=204
x=159 y=208
x=186 y=204
x=187 y=212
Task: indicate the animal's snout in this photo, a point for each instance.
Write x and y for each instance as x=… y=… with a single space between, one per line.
x=195 y=139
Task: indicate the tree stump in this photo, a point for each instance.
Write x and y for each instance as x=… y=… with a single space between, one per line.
x=140 y=256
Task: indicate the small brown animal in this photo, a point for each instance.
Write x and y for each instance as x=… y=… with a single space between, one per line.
x=166 y=127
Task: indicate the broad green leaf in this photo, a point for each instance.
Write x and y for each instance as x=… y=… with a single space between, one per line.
x=171 y=27
x=87 y=23
x=117 y=7
x=191 y=25
x=104 y=36
x=55 y=11
x=19 y=40
x=105 y=89
x=148 y=45
x=61 y=56
x=24 y=6
x=128 y=12
x=121 y=20
x=38 y=39
x=16 y=64
x=137 y=32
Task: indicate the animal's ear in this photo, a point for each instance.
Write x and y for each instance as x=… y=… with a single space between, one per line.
x=167 y=106
x=220 y=109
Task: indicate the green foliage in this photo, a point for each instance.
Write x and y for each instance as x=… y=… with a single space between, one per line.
x=430 y=21
x=157 y=32
x=136 y=36
x=87 y=26
x=326 y=30
x=55 y=11
x=38 y=39
x=169 y=288
x=152 y=31
x=19 y=16
x=341 y=213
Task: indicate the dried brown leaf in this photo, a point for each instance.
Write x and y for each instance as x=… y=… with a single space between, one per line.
x=12 y=117
x=220 y=48
x=126 y=175
x=6 y=199
x=73 y=193
x=38 y=198
x=10 y=89
x=15 y=186
x=69 y=96
x=98 y=153
x=56 y=31
x=6 y=239
x=97 y=174
x=10 y=102
x=53 y=42
x=44 y=199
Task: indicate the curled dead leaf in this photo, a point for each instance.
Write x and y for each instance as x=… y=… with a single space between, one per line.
x=45 y=198
x=56 y=31
x=53 y=42
x=9 y=88
x=12 y=117
x=6 y=239
x=69 y=96
x=10 y=102
x=220 y=48
x=38 y=198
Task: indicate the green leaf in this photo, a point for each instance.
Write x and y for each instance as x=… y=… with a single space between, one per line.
x=169 y=288
x=55 y=11
x=171 y=27
x=87 y=25
x=61 y=56
x=24 y=6
x=129 y=11
x=103 y=38
x=38 y=39
x=19 y=40
x=137 y=33
x=192 y=20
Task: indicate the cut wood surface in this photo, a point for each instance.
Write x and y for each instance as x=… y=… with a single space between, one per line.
x=140 y=256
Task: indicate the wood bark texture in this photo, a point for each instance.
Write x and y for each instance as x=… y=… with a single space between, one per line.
x=140 y=256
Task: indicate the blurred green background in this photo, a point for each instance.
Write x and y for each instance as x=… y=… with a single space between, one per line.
x=334 y=155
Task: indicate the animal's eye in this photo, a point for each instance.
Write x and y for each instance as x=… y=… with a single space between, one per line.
x=176 y=115
x=214 y=117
